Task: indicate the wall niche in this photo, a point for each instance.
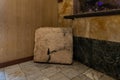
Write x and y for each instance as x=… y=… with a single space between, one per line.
x=82 y=6
x=89 y=8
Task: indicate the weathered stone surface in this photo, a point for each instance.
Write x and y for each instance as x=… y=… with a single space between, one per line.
x=53 y=45
x=101 y=55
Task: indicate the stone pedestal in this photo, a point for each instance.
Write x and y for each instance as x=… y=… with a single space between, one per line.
x=53 y=45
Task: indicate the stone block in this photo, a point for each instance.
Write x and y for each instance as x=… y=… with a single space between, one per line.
x=53 y=45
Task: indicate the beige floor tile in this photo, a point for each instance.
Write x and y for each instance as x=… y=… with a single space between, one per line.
x=12 y=67
x=42 y=78
x=2 y=74
x=37 y=71
x=14 y=73
x=105 y=77
x=81 y=77
x=80 y=67
x=50 y=71
x=65 y=67
x=28 y=63
x=76 y=78
x=59 y=76
x=93 y=74
x=34 y=76
x=29 y=70
x=70 y=73
x=42 y=66
x=84 y=77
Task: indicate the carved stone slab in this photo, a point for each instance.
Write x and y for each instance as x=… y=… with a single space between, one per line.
x=53 y=45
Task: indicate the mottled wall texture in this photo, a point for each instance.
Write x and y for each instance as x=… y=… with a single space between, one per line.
x=101 y=28
x=96 y=40
x=65 y=8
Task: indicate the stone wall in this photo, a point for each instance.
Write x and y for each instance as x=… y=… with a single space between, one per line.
x=96 y=40
x=101 y=28
x=97 y=43
x=65 y=8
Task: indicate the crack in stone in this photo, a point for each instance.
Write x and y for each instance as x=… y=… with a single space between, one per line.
x=54 y=51
x=58 y=50
x=48 y=53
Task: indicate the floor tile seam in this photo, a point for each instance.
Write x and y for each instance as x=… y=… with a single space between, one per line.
x=93 y=74
x=65 y=75
x=23 y=72
x=82 y=72
x=4 y=73
x=75 y=77
x=85 y=76
x=87 y=71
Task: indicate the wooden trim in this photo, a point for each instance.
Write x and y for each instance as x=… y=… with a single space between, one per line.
x=15 y=61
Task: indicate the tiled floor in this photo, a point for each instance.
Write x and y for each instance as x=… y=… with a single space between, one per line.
x=36 y=71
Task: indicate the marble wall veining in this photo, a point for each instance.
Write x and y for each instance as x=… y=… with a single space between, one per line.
x=105 y=28
x=81 y=28
x=65 y=8
x=101 y=55
x=101 y=28
x=96 y=40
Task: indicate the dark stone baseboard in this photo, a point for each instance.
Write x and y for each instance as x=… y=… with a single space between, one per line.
x=101 y=55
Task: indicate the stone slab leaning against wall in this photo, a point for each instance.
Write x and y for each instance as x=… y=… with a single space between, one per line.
x=53 y=45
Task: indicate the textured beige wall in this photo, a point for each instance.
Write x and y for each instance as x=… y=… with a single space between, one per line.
x=101 y=28
x=105 y=28
x=18 y=21
x=65 y=8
